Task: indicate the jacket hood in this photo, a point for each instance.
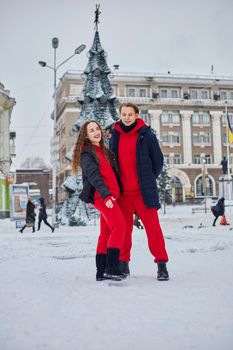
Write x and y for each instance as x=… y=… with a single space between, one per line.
x=140 y=124
x=41 y=200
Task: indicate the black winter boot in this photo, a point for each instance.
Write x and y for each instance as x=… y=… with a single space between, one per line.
x=124 y=267
x=112 y=271
x=100 y=260
x=162 y=274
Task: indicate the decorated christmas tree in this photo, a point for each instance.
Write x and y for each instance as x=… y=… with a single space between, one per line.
x=98 y=103
x=97 y=98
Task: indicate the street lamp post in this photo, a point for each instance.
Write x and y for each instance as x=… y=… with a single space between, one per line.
x=204 y=184
x=55 y=43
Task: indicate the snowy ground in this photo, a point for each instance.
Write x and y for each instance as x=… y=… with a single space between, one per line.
x=49 y=299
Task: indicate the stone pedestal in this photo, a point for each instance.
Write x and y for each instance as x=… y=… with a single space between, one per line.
x=226 y=187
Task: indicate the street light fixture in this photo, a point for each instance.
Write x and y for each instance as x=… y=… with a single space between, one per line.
x=78 y=50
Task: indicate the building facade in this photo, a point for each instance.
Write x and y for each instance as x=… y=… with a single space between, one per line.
x=7 y=149
x=187 y=112
x=38 y=181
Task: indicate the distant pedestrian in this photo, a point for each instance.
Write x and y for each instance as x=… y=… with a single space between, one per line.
x=43 y=214
x=137 y=221
x=30 y=215
x=218 y=209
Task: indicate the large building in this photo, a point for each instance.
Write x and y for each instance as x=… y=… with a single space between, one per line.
x=7 y=149
x=187 y=112
x=38 y=181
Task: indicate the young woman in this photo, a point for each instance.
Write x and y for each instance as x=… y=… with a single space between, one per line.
x=101 y=188
x=30 y=215
x=43 y=214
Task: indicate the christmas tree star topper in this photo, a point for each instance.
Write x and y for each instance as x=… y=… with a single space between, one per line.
x=97 y=13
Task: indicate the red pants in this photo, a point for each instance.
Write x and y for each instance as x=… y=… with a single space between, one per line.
x=150 y=220
x=112 y=227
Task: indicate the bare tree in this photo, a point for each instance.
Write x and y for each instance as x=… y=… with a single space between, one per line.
x=34 y=163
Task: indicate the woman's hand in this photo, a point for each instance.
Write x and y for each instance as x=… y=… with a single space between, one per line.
x=90 y=206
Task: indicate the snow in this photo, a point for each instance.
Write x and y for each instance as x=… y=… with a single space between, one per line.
x=49 y=299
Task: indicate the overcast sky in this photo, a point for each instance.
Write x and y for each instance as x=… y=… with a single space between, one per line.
x=141 y=36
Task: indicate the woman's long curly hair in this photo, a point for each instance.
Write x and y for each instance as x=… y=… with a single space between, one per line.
x=84 y=142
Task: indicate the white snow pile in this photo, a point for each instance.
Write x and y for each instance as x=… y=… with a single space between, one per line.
x=49 y=299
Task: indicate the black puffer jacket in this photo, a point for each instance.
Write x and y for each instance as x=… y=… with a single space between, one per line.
x=149 y=159
x=30 y=213
x=92 y=180
x=219 y=208
x=42 y=209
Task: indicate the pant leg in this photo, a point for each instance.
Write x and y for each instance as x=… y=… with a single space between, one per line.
x=39 y=223
x=46 y=223
x=115 y=221
x=103 y=237
x=216 y=218
x=150 y=220
x=127 y=208
x=22 y=229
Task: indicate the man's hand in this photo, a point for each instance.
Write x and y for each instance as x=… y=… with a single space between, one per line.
x=109 y=202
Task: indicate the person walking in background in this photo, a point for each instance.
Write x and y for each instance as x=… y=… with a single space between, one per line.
x=140 y=162
x=218 y=209
x=30 y=215
x=101 y=188
x=43 y=214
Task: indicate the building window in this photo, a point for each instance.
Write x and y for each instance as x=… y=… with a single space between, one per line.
x=165 y=117
x=193 y=94
x=201 y=118
x=231 y=95
x=202 y=138
x=174 y=93
x=196 y=118
x=200 y=187
x=224 y=119
x=197 y=159
x=166 y=158
x=206 y=118
x=142 y=92
x=172 y=117
x=176 y=138
x=114 y=89
x=175 y=117
x=177 y=159
x=196 y=138
x=206 y=138
x=145 y=116
x=208 y=159
x=204 y=94
x=223 y=95
x=165 y=137
x=163 y=93
x=131 y=92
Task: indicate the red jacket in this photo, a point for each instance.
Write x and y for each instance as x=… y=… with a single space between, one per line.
x=107 y=175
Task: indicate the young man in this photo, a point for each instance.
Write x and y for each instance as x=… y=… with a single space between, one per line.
x=140 y=162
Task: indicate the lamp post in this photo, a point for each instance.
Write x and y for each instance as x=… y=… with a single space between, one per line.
x=55 y=43
x=204 y=184
x=228 y=159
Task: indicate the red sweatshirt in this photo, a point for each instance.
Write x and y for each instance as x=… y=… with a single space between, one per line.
x=127 y=157
x=107 y=175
